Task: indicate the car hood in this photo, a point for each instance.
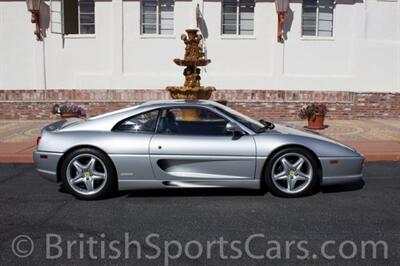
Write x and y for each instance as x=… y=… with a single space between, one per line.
x=306 y=133
x=300 y=131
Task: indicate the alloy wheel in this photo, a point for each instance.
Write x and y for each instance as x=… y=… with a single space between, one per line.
x=292 y=173
x=86 y=174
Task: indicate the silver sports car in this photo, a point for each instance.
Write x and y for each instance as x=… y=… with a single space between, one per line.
x=189 y=144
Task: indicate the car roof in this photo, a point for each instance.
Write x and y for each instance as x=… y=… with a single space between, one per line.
x=155 y=104
x=161 y=103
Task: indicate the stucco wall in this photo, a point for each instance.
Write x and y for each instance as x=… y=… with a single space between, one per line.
x=363 y=55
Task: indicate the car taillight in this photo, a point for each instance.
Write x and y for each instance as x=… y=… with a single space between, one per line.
x=38 y=140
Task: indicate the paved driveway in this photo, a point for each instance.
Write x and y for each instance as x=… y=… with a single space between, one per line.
x=219 y=223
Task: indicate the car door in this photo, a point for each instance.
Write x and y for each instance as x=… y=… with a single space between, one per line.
x=129 y=146
x=191 y=143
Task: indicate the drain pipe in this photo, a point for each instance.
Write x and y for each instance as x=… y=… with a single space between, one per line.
x=44 y=69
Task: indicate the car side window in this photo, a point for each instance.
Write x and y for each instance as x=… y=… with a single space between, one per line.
x=191 y=121
x=141 y=123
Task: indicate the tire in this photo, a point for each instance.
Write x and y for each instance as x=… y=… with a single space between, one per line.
x=292 y=172
x=88 y=174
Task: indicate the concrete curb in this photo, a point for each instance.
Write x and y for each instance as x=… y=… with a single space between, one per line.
x=377 y=150
x=16 y=158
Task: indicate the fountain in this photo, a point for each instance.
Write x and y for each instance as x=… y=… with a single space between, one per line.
x=194 y=58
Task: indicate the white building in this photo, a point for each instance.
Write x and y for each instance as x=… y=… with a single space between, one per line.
x=336 y=51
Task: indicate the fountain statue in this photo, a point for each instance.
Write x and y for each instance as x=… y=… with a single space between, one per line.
x=194 y=58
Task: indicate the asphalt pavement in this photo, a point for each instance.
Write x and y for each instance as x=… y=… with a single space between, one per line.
x=41 y=224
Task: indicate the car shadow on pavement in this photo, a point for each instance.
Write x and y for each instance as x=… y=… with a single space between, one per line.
x=343 y=187
x=181 y=192
x=191 y=192
x=215 y=192
x=218 y=192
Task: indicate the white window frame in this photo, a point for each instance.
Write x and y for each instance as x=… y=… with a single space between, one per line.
x=237 y=35
x=316 y=36
x=157 y=34
x=61 y=31
x=79 y=20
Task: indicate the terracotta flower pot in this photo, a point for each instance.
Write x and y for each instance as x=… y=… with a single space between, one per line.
x=316 y=121
x=70 y=115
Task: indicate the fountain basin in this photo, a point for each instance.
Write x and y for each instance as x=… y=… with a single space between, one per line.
x=190 y=93
x=196 y=62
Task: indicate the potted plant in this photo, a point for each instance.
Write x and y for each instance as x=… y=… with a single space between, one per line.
x=315 y=114
x=69 y=110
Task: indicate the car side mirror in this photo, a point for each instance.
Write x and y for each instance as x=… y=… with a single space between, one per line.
x=267 y=124
x=233 y=128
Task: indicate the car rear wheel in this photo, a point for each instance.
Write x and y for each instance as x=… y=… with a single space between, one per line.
x=292 y=172
x=88 y=174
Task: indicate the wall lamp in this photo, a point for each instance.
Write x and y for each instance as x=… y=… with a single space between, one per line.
x=282 y=7
x=34 y=7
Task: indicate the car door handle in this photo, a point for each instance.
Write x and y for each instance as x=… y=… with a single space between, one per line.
x=159 y=147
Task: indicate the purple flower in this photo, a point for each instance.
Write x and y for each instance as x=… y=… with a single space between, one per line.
x=311 y=110
x=69 y=108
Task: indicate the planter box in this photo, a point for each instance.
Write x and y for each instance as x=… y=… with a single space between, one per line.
x=70 y=115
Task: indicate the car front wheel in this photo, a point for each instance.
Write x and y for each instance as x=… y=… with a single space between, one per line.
x=88 y=174
x=292 y=172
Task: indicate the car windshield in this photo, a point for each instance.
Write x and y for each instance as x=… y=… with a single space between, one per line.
x=250 y=123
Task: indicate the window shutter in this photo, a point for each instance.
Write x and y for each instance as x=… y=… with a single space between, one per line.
x=57 y=16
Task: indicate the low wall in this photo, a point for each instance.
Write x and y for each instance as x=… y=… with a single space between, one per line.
x=267 y=104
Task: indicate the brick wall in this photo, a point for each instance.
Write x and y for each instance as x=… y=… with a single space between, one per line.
x=267 y=104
